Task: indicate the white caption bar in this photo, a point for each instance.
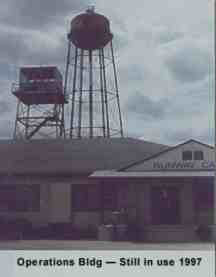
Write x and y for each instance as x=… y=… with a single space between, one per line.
x=146 y=263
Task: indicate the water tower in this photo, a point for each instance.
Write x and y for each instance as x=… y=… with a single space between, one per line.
x=91 y=78
x=40 y=108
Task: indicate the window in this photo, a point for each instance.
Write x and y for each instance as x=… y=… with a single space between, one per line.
x=187 y=155
x=109 y=197
x=198 y=155
x=86 y=197
x=79 y=197
x=20 y=198
x=204 y=200
x=204 y=195
x=94 y=197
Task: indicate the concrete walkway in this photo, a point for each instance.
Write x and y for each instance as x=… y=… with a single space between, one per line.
x=99 y=245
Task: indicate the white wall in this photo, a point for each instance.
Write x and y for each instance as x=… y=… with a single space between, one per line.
x=59 y=202
x=172 y=160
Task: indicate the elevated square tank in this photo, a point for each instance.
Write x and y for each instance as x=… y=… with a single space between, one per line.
x=40 y=85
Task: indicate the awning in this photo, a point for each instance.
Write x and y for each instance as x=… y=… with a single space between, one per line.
x=150 y=174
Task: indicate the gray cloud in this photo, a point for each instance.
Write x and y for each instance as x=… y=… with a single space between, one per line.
x=160 y=34
x=6 y=129
x=179 y=108
x=120 y=41
x=168 y=36
x=5 y=70
x=29 y=49
x=134 y=72
x=36 y=14
x=207 y=136
x=178 y=136
x=5 y=107
x=118 y=22
x=12 y=46
x=189 y=64
x=146 y=107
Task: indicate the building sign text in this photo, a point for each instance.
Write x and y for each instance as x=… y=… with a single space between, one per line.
x=181 y=165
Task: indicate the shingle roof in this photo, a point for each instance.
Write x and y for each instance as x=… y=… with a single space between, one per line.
x=72 y=156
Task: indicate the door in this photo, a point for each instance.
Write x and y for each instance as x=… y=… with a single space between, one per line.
x=165 y=205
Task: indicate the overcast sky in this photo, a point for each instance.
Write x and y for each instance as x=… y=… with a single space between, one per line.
x=164 y=54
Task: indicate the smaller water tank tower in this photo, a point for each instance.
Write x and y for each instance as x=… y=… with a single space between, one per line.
x=40 y=101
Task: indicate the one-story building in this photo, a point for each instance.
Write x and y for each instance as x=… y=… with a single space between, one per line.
x=167 y=191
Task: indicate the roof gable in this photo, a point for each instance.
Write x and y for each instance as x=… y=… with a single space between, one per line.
x=171 y=158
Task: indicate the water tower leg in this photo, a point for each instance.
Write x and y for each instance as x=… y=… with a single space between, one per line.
x=27 y=121
x=102 y=93
x=105 y=93
x=90 y=95
x=80 y=94
x=73 y=92
x=16 y=121
x=116 y=89
x=62 y=129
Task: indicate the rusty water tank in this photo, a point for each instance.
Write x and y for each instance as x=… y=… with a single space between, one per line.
x=90 y=31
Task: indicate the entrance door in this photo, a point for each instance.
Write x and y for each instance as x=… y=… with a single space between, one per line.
x=165 y=205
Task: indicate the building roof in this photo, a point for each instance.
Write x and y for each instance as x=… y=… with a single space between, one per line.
x=75 y=156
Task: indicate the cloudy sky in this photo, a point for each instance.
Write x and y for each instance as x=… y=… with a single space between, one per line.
x=164 y=54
